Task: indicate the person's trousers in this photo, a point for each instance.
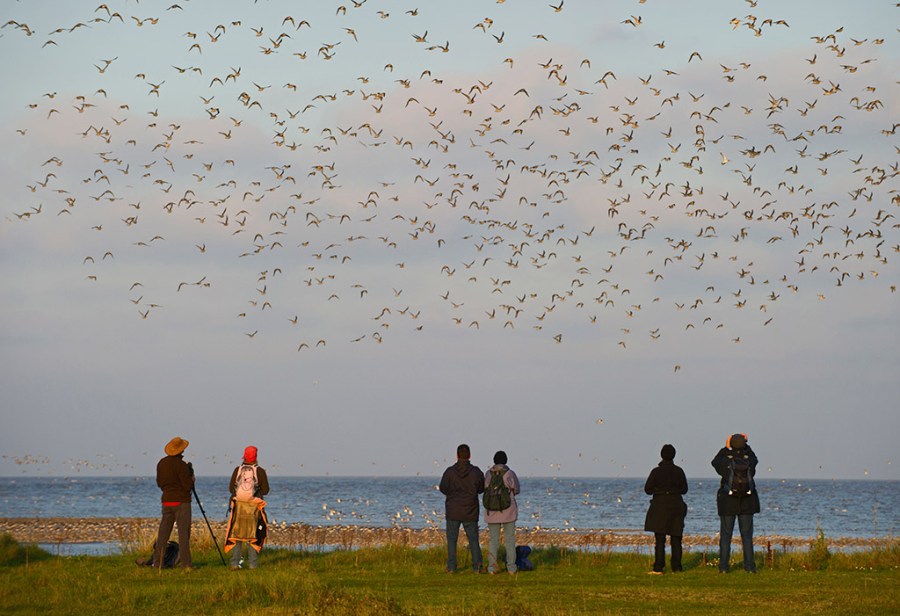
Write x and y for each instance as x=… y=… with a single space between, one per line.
x=238 y=550
x=659 y=563
x=509 y=540
x=180 y=515
x=471 y=529
x=726 y=531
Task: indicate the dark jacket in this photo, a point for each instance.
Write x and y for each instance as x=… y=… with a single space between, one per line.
x=262 y=480
x=175 y=478
x=735 y=504
x=461 y=484
x=667 y=509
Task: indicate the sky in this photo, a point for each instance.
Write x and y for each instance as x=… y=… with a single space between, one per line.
x=356 y=235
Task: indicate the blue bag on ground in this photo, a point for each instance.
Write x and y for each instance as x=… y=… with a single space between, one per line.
x=522 y=561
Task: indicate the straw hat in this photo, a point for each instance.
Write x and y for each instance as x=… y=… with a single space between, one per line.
x=176 y=446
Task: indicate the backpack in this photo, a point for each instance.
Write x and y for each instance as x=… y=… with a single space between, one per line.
x=170 y=556
x=245 y=482
x=523 y=563
x=738 y=480
x=496 y=494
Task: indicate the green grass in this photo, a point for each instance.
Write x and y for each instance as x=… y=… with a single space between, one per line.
x=399 y=580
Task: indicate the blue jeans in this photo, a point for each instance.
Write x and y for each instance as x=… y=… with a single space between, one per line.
x=471 y=529
x=726 y=530
x=509 y=540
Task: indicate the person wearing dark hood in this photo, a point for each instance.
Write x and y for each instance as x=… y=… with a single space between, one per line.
x=461 y=484
x=665 y=516
x=736 y=498
x=175 y=478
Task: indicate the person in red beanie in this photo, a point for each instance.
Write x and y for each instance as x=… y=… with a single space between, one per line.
x=249 y=483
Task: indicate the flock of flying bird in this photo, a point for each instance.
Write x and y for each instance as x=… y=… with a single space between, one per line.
x=548 y=195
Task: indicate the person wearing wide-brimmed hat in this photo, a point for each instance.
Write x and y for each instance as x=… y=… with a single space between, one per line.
x=175 y=478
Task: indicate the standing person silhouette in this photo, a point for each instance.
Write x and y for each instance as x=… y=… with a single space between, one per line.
x=249 y=483
x=175 y=478
x=501 y=519
x=461 y=484
x=665 y=516
x=737 y=498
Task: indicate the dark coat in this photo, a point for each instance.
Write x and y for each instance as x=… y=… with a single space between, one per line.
x=175 y=478
x=735 y=504
x=461 y=484
x=667 y=509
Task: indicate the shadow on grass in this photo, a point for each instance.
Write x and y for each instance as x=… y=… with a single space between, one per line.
x=553 y=555
x=699 y=560
x=13 y=554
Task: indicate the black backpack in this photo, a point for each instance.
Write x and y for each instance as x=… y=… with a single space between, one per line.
x=496 y=494
x=739 y=480
x=170 y=556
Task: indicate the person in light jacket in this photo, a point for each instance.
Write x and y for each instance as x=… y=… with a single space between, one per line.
x=504 y=519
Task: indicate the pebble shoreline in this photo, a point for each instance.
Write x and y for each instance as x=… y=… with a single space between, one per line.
x=138 y=533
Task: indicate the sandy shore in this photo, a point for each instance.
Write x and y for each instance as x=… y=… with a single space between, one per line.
x=138 y=533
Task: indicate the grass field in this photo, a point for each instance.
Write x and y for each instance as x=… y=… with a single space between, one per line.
x=399 y=580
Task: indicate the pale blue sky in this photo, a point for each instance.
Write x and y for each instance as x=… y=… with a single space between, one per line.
x=501 y=244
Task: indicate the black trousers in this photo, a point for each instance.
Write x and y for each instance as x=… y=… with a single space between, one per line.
x=659 y=563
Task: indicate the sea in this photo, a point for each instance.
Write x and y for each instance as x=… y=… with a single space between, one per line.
x=791 y=508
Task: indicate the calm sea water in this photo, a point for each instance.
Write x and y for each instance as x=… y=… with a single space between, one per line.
x=791 y=508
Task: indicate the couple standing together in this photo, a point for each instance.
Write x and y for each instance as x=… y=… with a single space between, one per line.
x=461 y=484
x=736 y=499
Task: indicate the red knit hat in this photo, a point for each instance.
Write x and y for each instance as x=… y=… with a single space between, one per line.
x=250 y=454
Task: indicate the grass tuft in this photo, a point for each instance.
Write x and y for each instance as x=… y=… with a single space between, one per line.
x=12 y=553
